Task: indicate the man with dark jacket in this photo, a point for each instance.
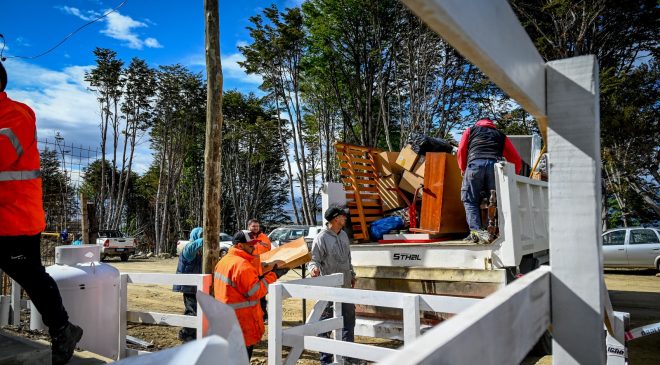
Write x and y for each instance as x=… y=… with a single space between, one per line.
x=480 y=148
x=22 y=220
x=190 y=262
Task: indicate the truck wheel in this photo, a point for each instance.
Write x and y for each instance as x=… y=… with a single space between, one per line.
x=124 y=257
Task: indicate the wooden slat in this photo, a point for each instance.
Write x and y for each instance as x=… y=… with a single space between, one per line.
x=373 y=218
x=358 y=182
x=364 y=189
x=367 y=211
x=345 y=165
x=340 y=146
x=354 y=160
x=358 y=236
x=366 y=204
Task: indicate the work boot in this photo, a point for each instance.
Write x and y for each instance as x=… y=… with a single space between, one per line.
x=483 y=236
x=473 y=237
x=63 y=342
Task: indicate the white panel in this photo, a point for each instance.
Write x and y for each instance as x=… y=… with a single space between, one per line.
x=505 y=325
x=575 y=198
x=350 y=349
x=488 y=34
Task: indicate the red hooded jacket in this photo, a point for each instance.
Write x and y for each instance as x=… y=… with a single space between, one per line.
x=509 y=152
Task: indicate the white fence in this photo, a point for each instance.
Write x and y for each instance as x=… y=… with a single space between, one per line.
x=326 y=289
x=203 y=283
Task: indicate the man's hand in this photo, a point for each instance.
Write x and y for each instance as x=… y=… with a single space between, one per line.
x=315 y=272
x=268 y=266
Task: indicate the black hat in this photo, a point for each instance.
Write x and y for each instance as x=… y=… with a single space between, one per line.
x=241 y=237
x=3 y=77
x=333 y=213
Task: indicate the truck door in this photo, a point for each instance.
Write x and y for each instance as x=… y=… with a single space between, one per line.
x=614 y=248
x=643 y=247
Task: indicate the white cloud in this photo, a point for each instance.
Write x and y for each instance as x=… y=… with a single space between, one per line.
x=152 y=43
x=63 y=104
x=118 y=26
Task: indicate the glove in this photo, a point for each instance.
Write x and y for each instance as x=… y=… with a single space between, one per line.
x=280 y=272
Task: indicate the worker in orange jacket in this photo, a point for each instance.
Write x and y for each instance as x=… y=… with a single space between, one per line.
x=238 y=282
x=22 y=220
x=263 y=245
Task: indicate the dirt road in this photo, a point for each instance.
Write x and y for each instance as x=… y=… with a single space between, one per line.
x=634 y=291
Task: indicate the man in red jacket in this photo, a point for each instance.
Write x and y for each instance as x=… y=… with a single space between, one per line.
x=22 y=220
x=481 y=146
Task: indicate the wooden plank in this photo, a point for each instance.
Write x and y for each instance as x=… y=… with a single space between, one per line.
x=523 y=308
x=345 y=165
x=355 y=180
x=348 y=349
x=364 y=194
x=355 y=160
x=370 y=219
x=575 y=214
x=353 y=147
x=366 y=203
x=508 y=57
x=367 y=211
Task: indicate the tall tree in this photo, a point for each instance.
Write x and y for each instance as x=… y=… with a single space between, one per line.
x=276 y=54
x=106 y=82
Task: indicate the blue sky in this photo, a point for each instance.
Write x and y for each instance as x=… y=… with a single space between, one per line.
x=161 y=32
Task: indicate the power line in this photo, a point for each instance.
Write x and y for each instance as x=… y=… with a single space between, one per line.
x=65 y=38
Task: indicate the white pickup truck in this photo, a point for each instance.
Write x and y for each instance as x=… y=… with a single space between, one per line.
x=115 y=243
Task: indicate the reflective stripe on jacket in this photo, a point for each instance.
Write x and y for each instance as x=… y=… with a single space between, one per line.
x=236 y=282
x=21 y=206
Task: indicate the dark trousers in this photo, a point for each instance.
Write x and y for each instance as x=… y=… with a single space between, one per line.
x=347 y=333
x=21 y=260
x=264 y=308
x=478 y=181
x=190 y=309
x=249 y=351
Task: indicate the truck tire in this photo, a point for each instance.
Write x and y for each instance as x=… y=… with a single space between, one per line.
x=124 y=257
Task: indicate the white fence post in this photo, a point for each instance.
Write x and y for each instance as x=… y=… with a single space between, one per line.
x=337 y=334
x=275 y=324
x=574 y=217
x=410 y=318
x=123 y=307
x=15 y=303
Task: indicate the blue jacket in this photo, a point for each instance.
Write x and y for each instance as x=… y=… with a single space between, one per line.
x=190 y=262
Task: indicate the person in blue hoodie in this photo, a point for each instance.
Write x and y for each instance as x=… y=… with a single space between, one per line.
x=190 y=262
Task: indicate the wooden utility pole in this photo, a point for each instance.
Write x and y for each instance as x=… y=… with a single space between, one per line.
x=212 y=152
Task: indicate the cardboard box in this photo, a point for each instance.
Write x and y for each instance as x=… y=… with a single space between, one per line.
x=294 y=254
x=410 y=182
x=390 y=199
x=419 y=166
x=407 y=158
x=386 y=164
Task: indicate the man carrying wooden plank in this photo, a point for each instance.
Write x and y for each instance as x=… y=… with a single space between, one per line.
x=480 y=148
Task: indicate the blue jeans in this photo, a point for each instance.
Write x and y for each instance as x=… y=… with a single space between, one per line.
x=478 y=181
x=347 y=333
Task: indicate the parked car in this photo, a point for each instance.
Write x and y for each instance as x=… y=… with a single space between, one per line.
x=226 y=241
x=311 y=234
x=286 y=234
x=632 y=247
x=115 y=243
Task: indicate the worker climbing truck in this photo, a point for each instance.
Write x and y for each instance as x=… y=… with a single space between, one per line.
x=431 y=257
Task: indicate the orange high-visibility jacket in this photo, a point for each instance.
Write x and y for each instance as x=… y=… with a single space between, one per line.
x=21 y=205
x=236 y=282
x=263 y=245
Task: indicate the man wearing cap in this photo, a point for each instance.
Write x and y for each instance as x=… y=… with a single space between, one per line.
x=331 y=254
x=22 y=220
x=239 y=283
x=263 y=245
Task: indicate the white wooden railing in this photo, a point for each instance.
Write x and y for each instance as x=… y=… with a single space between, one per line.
x=327 y=289
x=202 y=282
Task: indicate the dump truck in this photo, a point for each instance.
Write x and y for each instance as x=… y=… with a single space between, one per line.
x=433 y=258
